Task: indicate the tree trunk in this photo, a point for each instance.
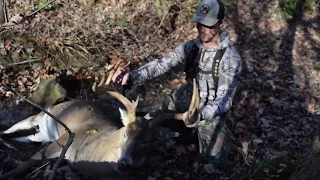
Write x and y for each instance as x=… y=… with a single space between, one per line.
x=2 y=13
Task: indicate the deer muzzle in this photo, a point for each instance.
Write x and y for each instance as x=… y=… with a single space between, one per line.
x=125 y=164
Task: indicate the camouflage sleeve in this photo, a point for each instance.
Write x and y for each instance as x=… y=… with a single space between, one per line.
x=230 y=70
x=158 y=67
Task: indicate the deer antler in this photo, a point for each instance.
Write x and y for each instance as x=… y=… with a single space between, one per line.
x=193 y=107
x=104 y=87
x=104 y=80
x=130 y=106
x=195 y=100
x=113 y=70
x=194 y=104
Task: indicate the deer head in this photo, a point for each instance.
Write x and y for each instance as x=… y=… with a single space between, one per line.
x=136 y=129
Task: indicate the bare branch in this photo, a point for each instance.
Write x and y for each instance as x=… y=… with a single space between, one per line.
x=162 y=20
x=8 y=23
x=36 y=11
x=25 y=62
x=23 y=132
x=71 y=134
x=5 y=12
x=38 y=169
x=61 y=157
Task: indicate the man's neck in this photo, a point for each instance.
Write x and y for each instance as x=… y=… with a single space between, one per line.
x=213 y=43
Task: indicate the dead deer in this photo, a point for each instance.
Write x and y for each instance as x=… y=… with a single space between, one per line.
x=110 y=153
x=72 y=113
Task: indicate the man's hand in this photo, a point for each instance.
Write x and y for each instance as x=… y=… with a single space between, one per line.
x=121 y=76
x=191 y=118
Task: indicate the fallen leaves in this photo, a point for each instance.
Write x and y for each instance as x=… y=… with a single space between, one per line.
x=180 y=150
x=176 y=82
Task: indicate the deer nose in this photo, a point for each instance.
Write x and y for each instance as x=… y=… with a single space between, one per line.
x=124 y=164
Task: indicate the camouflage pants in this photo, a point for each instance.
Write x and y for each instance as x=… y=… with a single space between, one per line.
x=213 y=134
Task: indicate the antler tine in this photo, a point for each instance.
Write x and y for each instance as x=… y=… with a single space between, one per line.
x=104 y=87
x=130 y=106
x=105 y=81
x=113 y=70
x=194 y=104
x=95 y=87
x=195 y=101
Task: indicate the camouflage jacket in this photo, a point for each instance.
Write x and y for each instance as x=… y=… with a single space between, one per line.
x=219 y=99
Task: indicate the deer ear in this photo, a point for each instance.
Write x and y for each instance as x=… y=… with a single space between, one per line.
x=124 y=116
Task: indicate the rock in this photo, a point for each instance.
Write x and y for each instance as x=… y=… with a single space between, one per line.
x=48 y=93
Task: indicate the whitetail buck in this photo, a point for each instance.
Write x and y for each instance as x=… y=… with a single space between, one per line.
x=109 y=153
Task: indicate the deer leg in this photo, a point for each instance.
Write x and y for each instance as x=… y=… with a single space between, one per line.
x=51 y=151
x=19 y=133
x=47 y=131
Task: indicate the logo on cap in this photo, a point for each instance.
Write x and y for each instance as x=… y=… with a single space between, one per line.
x=204 y=9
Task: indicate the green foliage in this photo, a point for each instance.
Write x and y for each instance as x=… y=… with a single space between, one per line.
x=275 y=168
x=42 y=3
x=287 y=8
x=92 y=131
x=309 y=4
x=317 y=68
x=124 y=25
x=268 y=168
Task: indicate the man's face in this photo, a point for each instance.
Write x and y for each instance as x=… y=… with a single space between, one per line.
x=207 y=33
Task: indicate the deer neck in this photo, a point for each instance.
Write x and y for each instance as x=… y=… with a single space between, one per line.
x=112 y=145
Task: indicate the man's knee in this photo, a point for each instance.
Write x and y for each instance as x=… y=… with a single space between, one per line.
x=219 y=153
x=214 y=137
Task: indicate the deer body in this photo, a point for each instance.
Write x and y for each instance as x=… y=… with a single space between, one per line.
x=109 y=151
x=94 y=155
x=73 y=113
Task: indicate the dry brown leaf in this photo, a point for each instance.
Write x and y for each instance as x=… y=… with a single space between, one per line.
x=240 y=125
x=180 y=149
x=191 y=147
x=152 y=178
x=170 y=143
x=209 y=168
